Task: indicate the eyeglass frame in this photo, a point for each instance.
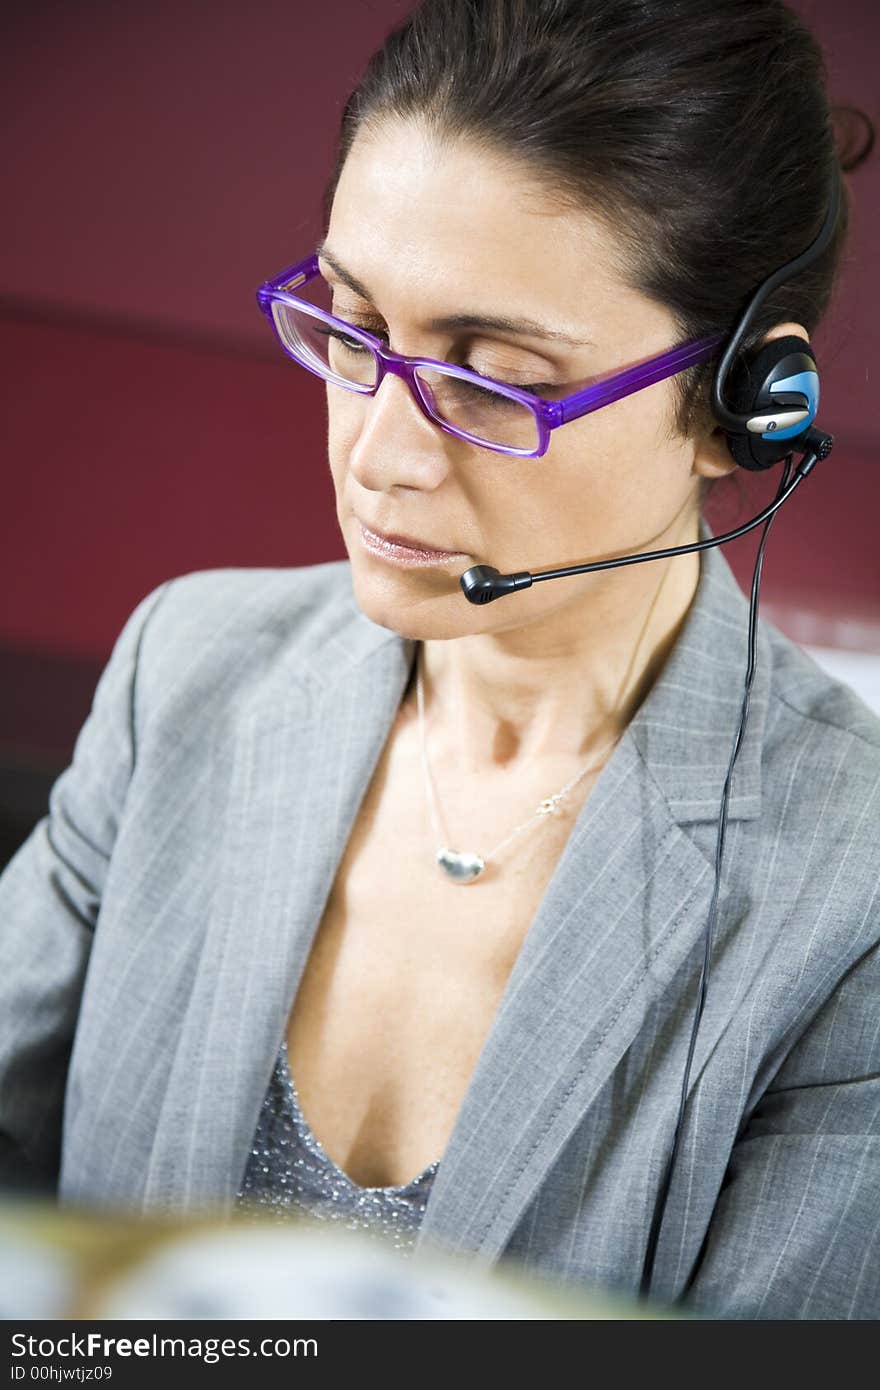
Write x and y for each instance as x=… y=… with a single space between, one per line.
x=549 y=414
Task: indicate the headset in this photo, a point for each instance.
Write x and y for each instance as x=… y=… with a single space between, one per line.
x=769 y=417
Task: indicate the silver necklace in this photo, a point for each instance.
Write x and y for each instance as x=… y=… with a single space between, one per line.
x=464 y=866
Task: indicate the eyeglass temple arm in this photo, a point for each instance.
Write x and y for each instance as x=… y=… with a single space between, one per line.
x=636 y=378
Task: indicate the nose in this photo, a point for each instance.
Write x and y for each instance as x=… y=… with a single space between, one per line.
x=395 y=443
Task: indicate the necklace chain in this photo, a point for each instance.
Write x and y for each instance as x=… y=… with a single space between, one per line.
x=549 y=806
x=463 y=868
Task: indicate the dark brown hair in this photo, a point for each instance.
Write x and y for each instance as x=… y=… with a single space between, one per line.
x=698 y=130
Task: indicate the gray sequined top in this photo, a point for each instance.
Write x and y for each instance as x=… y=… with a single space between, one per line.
x=288 y=1168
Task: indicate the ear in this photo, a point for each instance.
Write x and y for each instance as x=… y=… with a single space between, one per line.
x=712 y=457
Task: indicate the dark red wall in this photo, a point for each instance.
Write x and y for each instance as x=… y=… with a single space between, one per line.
x=161 y=161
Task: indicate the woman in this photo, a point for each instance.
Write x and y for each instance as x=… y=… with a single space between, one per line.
x=289 y=776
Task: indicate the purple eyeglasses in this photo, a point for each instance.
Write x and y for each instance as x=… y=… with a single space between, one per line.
x=475 y=408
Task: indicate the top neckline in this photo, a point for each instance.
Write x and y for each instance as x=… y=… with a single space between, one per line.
x=318 y=1148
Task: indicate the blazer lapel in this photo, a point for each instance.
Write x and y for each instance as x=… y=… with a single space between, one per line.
x=304 y=754
x=628 y=903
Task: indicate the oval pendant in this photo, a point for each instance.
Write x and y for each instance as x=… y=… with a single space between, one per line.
x=461 y=868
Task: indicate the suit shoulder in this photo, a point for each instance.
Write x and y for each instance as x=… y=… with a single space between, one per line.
x=820 y=806
x=230 y=624
x=807 y=692
x=251 y=602
x=822 y=763
x=257 y=594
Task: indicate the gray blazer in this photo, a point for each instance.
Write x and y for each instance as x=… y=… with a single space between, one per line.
x=155 y=924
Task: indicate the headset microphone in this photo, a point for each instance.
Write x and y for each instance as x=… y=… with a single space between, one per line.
x=483 y=583
x=769 y=417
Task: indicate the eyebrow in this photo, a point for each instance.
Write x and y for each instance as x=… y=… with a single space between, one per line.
x=502 y=322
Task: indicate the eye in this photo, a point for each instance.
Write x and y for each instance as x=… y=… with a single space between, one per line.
x=350 y=345
x=536 y=388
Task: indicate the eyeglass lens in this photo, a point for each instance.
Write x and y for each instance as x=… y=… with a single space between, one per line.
x=486 y=415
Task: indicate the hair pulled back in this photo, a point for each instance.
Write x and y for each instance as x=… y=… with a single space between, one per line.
x=698 y=131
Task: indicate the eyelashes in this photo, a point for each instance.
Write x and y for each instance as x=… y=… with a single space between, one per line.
x=377 y=329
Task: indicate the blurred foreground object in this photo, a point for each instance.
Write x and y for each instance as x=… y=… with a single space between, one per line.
x=58 y=1262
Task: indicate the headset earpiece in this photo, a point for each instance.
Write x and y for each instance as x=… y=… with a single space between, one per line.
x=779 y=391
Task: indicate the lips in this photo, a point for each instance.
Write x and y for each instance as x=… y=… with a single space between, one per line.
x=408 y=542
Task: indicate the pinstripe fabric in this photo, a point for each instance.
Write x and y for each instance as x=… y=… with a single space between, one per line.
x=155 y=925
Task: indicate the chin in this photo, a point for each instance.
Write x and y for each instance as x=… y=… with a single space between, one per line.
x=403 y=603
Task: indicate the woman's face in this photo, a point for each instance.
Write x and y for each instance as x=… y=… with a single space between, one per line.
x=431 y=233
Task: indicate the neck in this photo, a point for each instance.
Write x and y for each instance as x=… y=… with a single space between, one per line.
x=558 y=689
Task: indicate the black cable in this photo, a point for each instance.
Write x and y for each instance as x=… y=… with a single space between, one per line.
x=783 y=492
x=660 y=1206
